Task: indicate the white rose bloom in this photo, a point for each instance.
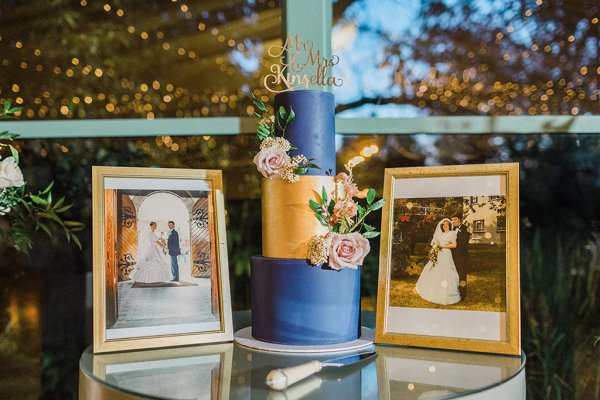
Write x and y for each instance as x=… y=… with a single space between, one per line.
x=10 y=174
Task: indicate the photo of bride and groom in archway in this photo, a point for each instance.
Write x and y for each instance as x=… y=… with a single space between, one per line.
x=164 y=261
x=158 y=260
x=450 y=253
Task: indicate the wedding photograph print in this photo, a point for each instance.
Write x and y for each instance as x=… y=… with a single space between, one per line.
x=160 y=259
x=449 y=262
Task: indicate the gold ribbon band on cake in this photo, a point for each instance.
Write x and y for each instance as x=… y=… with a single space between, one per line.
x=288 y=222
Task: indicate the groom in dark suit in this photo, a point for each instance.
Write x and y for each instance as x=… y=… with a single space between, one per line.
x=174 y=250
x=460 y=254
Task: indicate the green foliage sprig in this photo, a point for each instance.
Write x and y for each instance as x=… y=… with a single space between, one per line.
x=22 y=212
x=337 y=210
x=268 y=123
x=271 y=134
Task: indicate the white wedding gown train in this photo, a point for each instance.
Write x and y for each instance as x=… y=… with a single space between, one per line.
x=153 y=266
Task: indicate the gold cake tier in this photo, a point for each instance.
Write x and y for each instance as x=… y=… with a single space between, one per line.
x=288 y=222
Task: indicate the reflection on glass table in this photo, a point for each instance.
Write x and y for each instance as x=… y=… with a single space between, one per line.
x=230 y=371
x=198 y=372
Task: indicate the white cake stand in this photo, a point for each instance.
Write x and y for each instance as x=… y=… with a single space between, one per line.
x=243 y=337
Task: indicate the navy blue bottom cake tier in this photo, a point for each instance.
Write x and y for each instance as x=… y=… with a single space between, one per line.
x=294 y=303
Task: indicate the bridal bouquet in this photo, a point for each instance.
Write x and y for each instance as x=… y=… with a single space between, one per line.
x=273 y=160
x=433 y=254
x=344 y=246
x=22 y=212
x=163 y=243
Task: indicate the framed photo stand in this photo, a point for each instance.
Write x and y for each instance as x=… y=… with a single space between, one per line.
x=160 y=258
x=449 y=261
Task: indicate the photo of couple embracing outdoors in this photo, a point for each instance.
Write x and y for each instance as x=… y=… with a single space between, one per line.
x=449 y=252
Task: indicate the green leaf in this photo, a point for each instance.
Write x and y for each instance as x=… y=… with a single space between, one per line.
x=48 y=188
x=14 y=110
x=261 y=106
x=336 y=228
x=315 y=166
x=263 y=132
x=361 y=210
x=318 y=197
x=63 y=209
x=300 y=170
x=38 y=200
x=45 y=228
x=377 y=205
x=50 y=216
x=6 y=135
x=315 y=206
x=370 y=195
x=331 y=206
x=322 y=220
x=370 y=235
x=257 y=115
x=263 y=129
x=6 y=105
x=290 y=117
x=368 y=227
x=67 y=235
x=76 y=241
x=292 y=147
x=282 y=113
x=14 y=153
x=324 y=195
x=73 y=224
x=59 y=203
x=27 y=207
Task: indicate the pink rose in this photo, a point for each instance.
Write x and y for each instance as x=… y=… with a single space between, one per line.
x=348 y=250
x=270 y=161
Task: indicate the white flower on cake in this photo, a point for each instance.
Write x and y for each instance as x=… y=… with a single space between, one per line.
x=10 y=174
x=278 y=142
x=271 y=161
x=348 y=250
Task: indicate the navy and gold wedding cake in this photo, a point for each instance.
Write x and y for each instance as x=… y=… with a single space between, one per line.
x=294 y=302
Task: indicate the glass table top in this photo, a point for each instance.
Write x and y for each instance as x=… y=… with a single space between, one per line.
x=230 y=371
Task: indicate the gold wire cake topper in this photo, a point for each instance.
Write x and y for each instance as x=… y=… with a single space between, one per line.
x=292 y=74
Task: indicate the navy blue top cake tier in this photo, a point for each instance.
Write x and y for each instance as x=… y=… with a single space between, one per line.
x=313 y=129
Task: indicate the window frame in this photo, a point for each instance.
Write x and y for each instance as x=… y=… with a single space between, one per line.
x=317 y=26
x=476 y=229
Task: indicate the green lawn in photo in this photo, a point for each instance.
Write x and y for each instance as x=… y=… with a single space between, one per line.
x=486 y=282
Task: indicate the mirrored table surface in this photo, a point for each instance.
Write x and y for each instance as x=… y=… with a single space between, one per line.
x=230 y=371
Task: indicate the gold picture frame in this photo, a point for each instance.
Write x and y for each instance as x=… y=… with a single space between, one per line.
x=464 y=295
x=160 y=270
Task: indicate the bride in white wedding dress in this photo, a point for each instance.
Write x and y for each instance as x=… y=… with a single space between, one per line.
x=439 y=283
x=152 y=266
